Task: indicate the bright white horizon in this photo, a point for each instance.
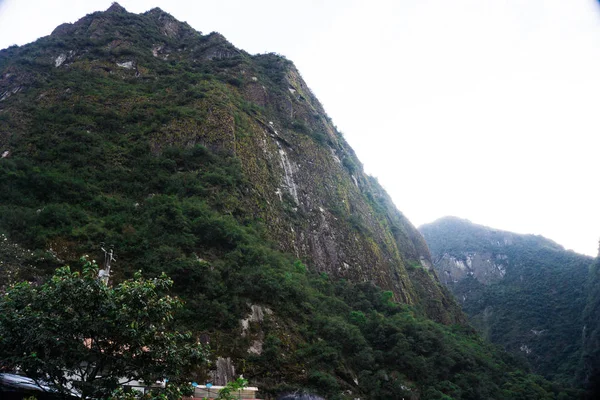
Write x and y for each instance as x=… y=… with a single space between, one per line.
x=480 y=109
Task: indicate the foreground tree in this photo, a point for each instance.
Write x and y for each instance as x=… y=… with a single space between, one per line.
x=79 y=334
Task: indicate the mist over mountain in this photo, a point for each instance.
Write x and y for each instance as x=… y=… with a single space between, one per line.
x=190 y=156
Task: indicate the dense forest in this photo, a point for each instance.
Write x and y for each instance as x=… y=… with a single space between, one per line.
x=591 y=335
x=193 y=158
x=523 y=292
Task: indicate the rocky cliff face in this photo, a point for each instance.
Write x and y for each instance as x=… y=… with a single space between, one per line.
x=304 y=181
x=485 y=268
x=524 y=292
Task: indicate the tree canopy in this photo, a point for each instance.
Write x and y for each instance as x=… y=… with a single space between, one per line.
x=82 y=336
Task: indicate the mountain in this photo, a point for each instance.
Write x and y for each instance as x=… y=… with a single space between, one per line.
x=523 y=292
x=591 y=334
x=187 y=155
x=303 y=180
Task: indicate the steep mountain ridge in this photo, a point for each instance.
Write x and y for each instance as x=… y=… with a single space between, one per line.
x=220 y=168
x=524 y=292
x=306 y=184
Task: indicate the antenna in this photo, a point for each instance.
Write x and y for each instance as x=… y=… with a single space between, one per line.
x=109 y=256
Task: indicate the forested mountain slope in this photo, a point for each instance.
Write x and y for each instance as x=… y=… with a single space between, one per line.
x=101 y=94
x=523 y=292
x=591 y=335
x=220 y=168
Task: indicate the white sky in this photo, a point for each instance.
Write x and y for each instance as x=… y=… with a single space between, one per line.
x=482 y=109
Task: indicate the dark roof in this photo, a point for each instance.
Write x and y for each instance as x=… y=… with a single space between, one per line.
x=14 y=386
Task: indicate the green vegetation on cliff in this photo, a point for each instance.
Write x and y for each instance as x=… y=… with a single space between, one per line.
x=117 y=108
x=591 y=335
x=221 y=169
x=523 y=292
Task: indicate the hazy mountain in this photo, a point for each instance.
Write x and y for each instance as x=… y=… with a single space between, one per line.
x=189 y=156
x=523 y=292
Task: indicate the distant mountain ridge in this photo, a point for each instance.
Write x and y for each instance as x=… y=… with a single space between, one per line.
x=524 y=292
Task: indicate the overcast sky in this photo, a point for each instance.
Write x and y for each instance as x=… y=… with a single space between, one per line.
x=482 y=109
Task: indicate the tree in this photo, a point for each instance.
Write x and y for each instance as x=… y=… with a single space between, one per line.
x=229 y=392
x=78 y=333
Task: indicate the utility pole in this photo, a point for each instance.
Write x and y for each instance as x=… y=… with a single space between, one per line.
x=109 y=256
